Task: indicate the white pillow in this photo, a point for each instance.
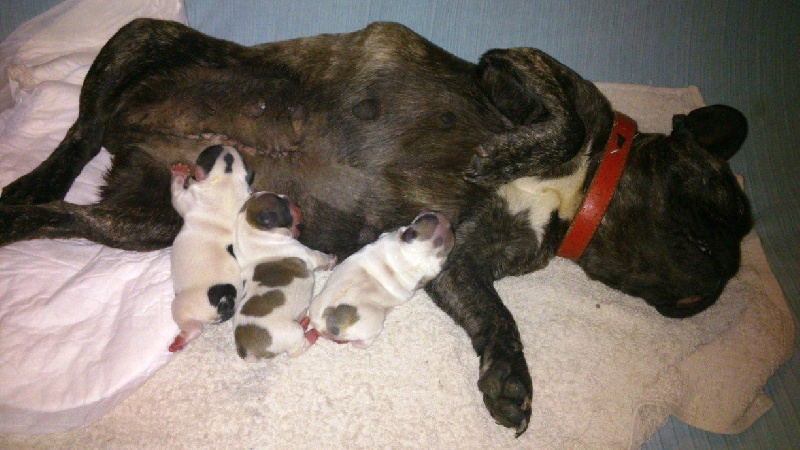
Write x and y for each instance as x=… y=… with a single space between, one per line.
x=60 y=44
x=71 y=349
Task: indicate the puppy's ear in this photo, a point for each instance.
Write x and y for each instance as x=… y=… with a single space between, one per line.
x=719 y=129
x=251 y=175
x=207 y=159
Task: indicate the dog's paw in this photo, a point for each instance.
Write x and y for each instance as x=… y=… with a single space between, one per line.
x=7 y=225
x=506 y=386
x=489 y=168
x=178 y=344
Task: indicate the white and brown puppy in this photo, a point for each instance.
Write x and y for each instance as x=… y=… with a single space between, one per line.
x=278 y=273
x=205 y=274
x=360 y=292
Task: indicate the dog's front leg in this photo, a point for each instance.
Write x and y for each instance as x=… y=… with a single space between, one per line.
x=464 y=290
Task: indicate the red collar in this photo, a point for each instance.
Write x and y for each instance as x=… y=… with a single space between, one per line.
x=602 y=188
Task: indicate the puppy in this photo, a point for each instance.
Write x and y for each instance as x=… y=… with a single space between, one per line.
x=278 y=274
x=366 y=286
x=205 y=274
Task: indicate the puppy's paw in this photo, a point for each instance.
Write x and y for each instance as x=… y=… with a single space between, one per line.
x=178 y=344
x=180 y=170
x=330 y=263
x=506 y=386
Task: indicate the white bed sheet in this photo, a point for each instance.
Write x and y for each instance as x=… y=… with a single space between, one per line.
x=81 y=326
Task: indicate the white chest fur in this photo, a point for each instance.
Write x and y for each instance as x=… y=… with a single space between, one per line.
x=540 y=197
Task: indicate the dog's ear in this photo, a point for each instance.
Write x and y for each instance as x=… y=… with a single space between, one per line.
x=719 y=129
x=550 y=115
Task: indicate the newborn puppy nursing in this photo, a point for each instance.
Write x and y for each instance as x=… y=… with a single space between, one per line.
x=205 y=274
x=278 y=274
x=366 y=286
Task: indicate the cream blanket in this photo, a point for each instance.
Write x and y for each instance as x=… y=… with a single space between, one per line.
x=82 y=327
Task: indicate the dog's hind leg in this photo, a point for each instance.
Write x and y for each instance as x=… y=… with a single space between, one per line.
x=134 y=53
x=52 y=178
x=135 y=211
x=140 y=229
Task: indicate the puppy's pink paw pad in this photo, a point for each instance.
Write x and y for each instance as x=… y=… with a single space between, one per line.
x=311 y=336
x=178 y=344
x=180 y=170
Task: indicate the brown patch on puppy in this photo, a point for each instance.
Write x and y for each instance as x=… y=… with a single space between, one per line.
x=250 y=339
x=261 y=305
x=339 y=317
x=266 y=211
x=281 y=272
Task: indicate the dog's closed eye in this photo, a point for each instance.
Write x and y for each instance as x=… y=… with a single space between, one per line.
x=699 y=242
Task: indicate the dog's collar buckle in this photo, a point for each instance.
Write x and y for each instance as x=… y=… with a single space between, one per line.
x=601 y=190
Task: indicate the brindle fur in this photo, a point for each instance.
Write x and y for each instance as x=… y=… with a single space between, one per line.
x=366 y=129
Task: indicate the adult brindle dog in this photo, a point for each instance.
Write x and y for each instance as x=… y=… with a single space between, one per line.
x=365 y=130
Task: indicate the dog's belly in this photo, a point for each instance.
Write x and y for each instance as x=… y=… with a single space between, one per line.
x=363 y=140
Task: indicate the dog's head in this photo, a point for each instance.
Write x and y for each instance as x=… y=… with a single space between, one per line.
x=217 y=161
x=673 y=230
x=675 y=223
x=270 y=213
